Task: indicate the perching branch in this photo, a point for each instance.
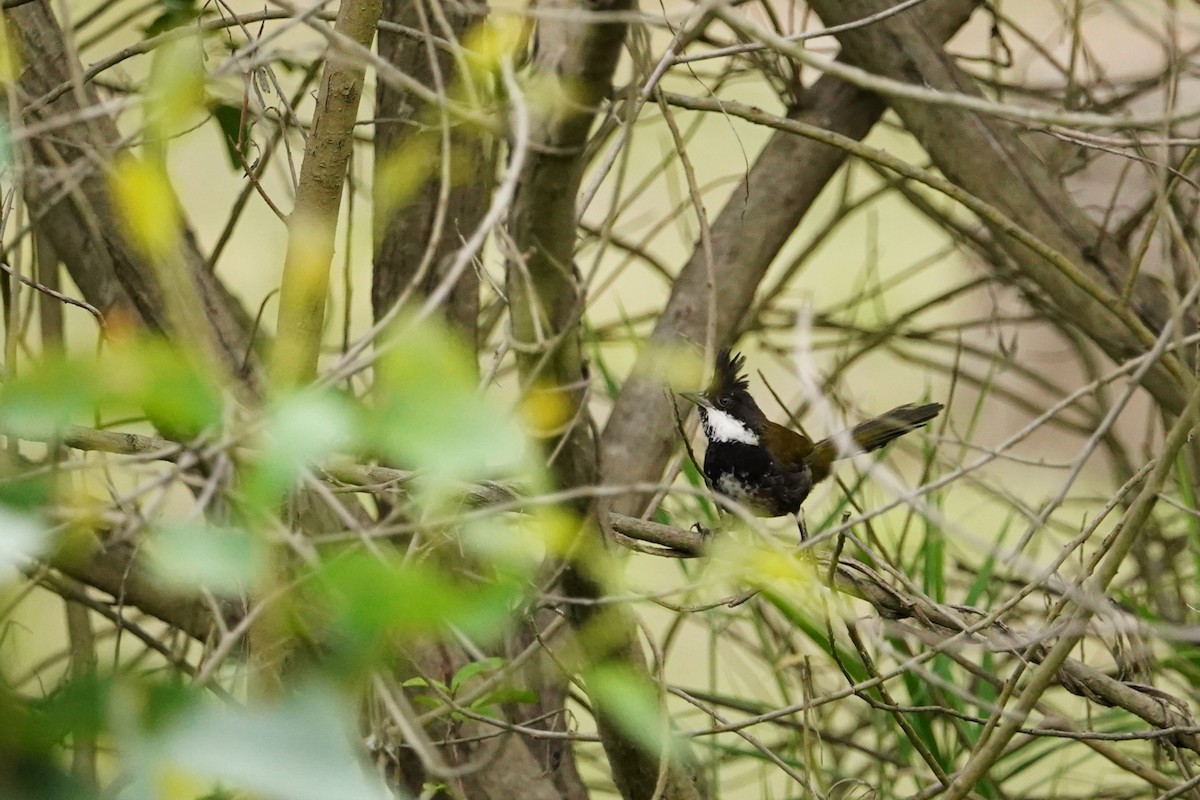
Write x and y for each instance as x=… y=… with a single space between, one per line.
x=115 y=571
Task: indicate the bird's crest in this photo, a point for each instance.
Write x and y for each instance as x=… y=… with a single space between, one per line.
x=728 y=375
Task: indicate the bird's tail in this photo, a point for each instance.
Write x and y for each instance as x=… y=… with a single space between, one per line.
x=871 y=435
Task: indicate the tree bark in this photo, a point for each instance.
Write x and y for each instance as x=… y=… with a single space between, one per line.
x=575 y=57
x=412 y=241
x=986 y=156
x=65 y=184
x=761 y=214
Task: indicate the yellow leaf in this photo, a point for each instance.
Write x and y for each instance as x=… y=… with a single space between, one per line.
x=405 y=170
x=546 y=411
x=174 y=783
x=176 y=90
x=147 y=206
x=10 y=58
x=496 y=40
x=554 y=528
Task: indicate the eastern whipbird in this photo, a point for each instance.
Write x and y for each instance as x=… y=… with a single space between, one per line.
x=767 y=467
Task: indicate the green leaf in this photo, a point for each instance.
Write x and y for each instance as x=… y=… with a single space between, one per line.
x=166 y=383
x=174 y=93
x=174 y=13
x=169 y=383
x=432 y=416
x=235 y=128
x=43 y=401
x=472 y=669
x=422 y=683
x=24 y=490
x=5 y=147
x=299 y=750
x=22 y=538
x=814 y=628
x=506 y=694
x=302 y=429
x=631 y=702
x=192 y=556
x=692 y=473
x=75 y=708
x=368 y=601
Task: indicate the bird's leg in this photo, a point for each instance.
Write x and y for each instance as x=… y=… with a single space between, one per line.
x=800 y=524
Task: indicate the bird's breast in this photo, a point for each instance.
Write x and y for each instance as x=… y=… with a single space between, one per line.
x=748 y=475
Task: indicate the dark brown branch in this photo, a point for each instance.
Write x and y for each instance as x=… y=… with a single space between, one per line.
x=66 y=187
x=762 y=213
x=986 y=156
x=412 y=241
x=578 y=44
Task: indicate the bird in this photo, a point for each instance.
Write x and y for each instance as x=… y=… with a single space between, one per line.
x=766 y=467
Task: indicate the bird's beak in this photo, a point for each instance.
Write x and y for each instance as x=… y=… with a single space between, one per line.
x=697 y=398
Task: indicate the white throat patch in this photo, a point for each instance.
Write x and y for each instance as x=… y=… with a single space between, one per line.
x=722 y=427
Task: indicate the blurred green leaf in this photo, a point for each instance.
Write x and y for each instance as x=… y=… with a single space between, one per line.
x=5 y=147
x=403 y=171
x=921 y=693
x=301 y=749
x=146 y=203
x=192 y=556
x=628 y=699
x=21 y=538
x=696 y=480
x=147 y=374
x=159 y=704
x=76 y=708
x=44 y=400
x=515 y=546
x=814 y=627
x=933 y=562
x=173 y=14
x=175 y=91
x=167 y=382
x=431 y=415
x=24 y=490
x=302 y=428
x=505 y=694
x=34 y=732
x=369 y=600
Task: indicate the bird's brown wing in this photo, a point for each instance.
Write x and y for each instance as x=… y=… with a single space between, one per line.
x=872 y=434
x=792 y=450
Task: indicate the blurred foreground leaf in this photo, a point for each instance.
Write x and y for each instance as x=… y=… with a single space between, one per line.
x=301 y=749
x=142 y=375
x=193 y=556
x=148 y=207
x=21 y=539
x=632 y=703
x=175 y=93
x=302 y=428
x=370 y=600
x=432 y=415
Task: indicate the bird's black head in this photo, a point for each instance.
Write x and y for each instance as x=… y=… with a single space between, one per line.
x=727 y=410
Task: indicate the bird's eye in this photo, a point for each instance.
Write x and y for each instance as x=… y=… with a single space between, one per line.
x=723 y=401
